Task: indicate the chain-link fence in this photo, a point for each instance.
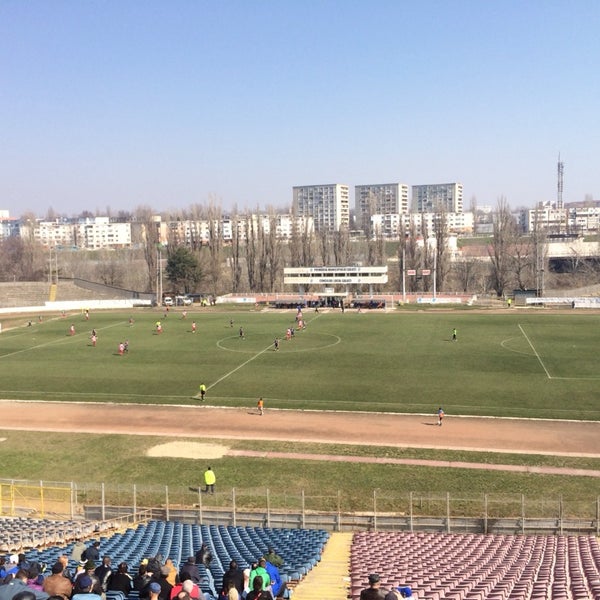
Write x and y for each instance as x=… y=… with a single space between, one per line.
x=378 y=509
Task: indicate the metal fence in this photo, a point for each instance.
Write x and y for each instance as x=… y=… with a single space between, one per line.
x=376 y=510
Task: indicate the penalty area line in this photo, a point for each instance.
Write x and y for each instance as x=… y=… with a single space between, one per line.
x=535 y=352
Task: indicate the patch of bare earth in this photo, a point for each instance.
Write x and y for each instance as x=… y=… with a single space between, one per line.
x=193 y=450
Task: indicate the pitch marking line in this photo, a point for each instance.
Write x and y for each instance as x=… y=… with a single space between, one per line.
x=535 y=352
x=62 y=340
x=238 y=367
x=212 y=385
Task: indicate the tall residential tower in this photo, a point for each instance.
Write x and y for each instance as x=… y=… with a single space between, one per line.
x=328 y=205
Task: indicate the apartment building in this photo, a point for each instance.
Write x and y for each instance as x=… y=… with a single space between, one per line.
x=381 y=198
x=327 y=205
x=392 y=226
x=438 y=197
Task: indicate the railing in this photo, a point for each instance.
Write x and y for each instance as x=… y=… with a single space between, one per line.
x=375 y=510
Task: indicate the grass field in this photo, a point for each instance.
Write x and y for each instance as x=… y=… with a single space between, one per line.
x=510 y=364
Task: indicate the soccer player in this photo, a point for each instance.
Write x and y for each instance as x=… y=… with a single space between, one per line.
x=72 y=330
x=276 y=343
x=454 y=334
x=261 y=406
x=202 y=391
x=193 y=326
x=242 y=336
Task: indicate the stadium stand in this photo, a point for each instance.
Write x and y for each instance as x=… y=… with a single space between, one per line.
x=479 y=567
x=18 y=533
x=300 y=548
x=435 y=565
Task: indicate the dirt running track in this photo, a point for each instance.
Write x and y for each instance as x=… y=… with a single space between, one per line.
x=570 y=438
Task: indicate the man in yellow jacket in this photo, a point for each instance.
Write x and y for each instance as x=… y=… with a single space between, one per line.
x=209 y=481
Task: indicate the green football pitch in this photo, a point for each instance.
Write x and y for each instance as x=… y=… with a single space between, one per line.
x=520 y=364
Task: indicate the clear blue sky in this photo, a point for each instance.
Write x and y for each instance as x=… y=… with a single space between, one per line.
x=116 y=103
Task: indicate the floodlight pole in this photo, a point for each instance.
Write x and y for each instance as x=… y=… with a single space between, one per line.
x=404 y=275
x=435 y=270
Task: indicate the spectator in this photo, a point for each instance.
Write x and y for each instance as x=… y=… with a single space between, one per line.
x=232 y=593
x=204 y=556
x=159 y=578
x=63 y=559
x=173 y=576
x=121 y=581
x=57 y=584
x=19 y=584
x=85 y=586
x=374 y=591
x=274 y=558
x=186 y=586
x=142 y=578
x=191 y=569
x=78 y=549
x=258 y=592
x=92 y=552
x=154 y=590
x=89 y=571
x=400 y=592
x=278 y=587
x=104 y=572
x=235 y=576
x=260 y=570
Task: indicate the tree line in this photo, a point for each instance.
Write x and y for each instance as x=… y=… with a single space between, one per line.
x=254 y=259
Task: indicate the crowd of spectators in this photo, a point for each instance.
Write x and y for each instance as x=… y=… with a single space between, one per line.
x=91 y=577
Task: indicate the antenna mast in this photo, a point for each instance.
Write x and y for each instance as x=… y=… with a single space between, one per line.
x=559 y=188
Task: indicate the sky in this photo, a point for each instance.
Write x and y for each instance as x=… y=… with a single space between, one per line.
x=117 y=104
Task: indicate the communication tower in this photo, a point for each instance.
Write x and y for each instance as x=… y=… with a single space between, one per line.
x=559 y=188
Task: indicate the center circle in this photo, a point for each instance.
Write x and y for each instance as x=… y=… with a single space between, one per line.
x=301 y=342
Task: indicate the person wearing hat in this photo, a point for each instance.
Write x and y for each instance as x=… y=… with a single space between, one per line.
x=160 y=579
x=374 y=591
x=89 y=571
x=85 y=585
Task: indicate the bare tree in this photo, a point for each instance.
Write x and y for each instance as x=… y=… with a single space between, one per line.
x=251 y=252
x=324 y=244
x=440 y=230
x=375 y=247
x=215 y=245
x=409 y=255
x=22 y=260
x=341 y=247
x=467 y=273
x=146 y=233
x=236 y=258
x=504 y=236
x=274 y=251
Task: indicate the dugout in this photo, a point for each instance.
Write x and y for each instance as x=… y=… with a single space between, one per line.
x=521 y=296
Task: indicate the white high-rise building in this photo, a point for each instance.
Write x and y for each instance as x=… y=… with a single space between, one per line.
x=328 y=205
x=380 y=198
x=438 y=197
